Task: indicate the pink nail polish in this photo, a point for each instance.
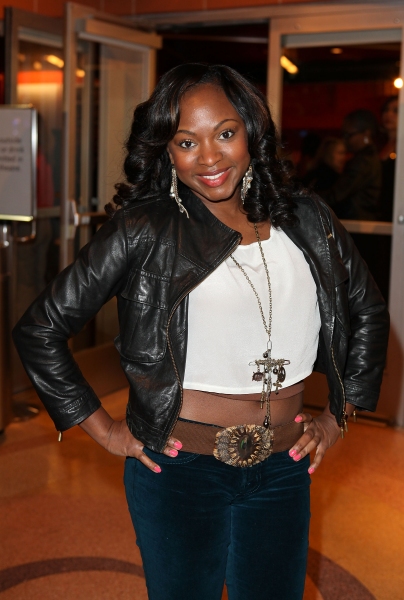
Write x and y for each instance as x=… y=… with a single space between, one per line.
x=157 y=469
x=173 y=452
x=178 y=445
x=311 y=470
x=298 y=419
x=292 y=452
x=297 y=457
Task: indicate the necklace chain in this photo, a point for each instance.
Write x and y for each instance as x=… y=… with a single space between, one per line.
x=268 y=326
x=269 y=364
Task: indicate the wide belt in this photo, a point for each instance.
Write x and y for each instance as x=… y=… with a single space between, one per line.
x=241 y=445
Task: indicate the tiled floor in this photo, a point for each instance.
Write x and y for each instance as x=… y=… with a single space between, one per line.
x=65 y=531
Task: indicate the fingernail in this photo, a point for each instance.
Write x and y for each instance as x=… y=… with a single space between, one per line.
x=298 y=419
x=292 y=452
x=178 y=445
x=311 y=470
x=173 y=452
x=297 y=457
x=157 y=469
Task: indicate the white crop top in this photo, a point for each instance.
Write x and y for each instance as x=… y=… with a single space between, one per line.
x=225 y=329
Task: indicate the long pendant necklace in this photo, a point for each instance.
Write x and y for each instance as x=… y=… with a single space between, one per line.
x=267 y=363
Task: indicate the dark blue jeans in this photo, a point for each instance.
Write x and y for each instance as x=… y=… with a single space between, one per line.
x=200 y=522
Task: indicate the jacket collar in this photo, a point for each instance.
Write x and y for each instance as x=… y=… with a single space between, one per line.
x=202 y=238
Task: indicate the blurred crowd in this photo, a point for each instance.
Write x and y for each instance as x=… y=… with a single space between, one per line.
x=354 y=173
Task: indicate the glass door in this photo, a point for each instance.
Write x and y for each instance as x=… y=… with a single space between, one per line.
x=34 y=76
x=337 y=95
x=109 y=69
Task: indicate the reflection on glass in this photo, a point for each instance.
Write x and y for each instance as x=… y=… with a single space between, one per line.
x=110 y=82
x=339 y=128
x=388 y=155
x=40 y=83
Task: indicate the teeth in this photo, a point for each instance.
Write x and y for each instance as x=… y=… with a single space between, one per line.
x=212 y=177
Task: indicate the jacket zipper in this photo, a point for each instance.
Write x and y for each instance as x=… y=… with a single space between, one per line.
x=343 y=422
x=169 y=341
x=344 y=418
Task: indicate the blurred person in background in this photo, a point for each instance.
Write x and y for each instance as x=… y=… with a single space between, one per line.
x=329 y=164
x=388 y=153
x=308 y=152
x=356 y=193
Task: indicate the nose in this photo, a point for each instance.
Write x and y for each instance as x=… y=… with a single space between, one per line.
x=210 y=154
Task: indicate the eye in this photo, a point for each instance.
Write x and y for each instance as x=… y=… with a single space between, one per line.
x=226 y=135
x=187 y=144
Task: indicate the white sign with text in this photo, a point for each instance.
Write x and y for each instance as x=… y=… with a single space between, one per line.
x=18 y=145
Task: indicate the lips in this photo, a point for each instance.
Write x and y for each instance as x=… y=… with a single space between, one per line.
x=214 y=178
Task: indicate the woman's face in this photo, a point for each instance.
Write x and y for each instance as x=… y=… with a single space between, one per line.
x=210 y=149
x=389 y=116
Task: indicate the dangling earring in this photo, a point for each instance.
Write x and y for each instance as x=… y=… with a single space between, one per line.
x=174 y=191
x=245 y=186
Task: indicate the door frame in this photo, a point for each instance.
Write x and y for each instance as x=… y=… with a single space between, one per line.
x=84 y=23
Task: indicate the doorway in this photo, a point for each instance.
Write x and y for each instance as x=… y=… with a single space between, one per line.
x=84 y=74
x=327 y=107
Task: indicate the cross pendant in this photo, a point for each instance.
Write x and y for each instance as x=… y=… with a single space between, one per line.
x=270 y=366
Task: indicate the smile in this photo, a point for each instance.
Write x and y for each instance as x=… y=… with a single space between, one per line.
x=214 y=179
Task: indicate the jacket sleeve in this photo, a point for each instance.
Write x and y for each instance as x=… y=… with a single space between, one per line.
x=368 y=322
x=64 y=307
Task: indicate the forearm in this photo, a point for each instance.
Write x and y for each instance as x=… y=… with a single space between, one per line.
x=98 y=426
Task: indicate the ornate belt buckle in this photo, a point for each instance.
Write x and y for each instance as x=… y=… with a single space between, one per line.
x=243 y=445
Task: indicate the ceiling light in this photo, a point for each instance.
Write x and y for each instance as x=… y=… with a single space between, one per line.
x=55 y=60
x=37 y=65
x=398 y=83
x=80 y=72
x=288 y=65
x=336 y=50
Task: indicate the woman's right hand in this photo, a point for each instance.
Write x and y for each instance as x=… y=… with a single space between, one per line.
x=116 y=437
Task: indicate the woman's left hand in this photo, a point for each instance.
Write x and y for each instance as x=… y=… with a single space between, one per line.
x=320 y=434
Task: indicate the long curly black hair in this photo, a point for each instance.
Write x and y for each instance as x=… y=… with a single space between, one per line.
x=147 y=165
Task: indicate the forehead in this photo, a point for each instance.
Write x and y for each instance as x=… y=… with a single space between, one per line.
x=207 y=102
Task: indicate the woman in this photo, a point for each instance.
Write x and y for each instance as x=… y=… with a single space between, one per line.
x=387 y=155
x=230 y=287
x=329 y=164
x=355 y=195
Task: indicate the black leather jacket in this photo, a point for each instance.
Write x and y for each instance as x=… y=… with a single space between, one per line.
x=151 y=256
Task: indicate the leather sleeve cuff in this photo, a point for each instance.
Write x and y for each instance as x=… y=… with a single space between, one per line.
x=74 y=413
x=362 y=399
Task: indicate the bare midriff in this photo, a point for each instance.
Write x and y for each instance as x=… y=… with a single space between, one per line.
x=237 y=409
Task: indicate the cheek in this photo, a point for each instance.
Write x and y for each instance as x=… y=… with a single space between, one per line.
x=183 y=163
x=181 y=160
x=239 y=153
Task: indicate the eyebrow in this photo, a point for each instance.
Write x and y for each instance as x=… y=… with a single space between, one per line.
x=214 y=129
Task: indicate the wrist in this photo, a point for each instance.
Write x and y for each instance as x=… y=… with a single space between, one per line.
x=98 y=426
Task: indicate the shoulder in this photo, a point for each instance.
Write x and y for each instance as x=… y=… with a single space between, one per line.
x=144 y=216
x=310 y=207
